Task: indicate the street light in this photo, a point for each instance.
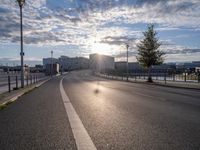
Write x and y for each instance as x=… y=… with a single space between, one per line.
x=21 y=3
x=51 y=63
x=127 y=72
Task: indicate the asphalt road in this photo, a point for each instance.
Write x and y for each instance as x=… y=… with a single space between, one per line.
x=117 y=115
x=37 y=121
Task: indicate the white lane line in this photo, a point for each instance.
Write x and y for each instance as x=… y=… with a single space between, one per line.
x=82 y=138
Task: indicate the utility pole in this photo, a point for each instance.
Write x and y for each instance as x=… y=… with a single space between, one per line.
x=21 y=3
x=127 y=69
x=51 y=63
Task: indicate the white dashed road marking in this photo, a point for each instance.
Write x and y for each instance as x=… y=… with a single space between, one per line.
x=82 y=138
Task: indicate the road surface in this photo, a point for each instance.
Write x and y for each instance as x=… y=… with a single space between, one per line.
x=116 y=115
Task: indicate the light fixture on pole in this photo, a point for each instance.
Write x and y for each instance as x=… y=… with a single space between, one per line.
x=21 y=3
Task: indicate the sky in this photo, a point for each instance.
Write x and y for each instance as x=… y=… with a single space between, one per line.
x=80 y=27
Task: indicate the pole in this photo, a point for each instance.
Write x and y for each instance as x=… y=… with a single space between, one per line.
x=51 y=63
x=27 y=80
x=16 y=82
x=31 y=79
x=165 y=78
x=22 y=53
x=127 y=72
x=185 y=76
x=9 y=87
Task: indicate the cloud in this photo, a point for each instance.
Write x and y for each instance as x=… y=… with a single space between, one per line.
x=48 y=16
x=182 y=51
x=82 y=23
x=169 y=48
x=13 y=61
x=118 y=40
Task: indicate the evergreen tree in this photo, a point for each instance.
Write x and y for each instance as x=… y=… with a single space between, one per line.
x=148 y=50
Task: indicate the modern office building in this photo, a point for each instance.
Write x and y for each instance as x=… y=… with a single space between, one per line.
x=101 y=62
x=75 y=63
x=47 y=61
x=132 y=66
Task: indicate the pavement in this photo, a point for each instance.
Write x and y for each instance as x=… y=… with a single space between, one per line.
x=13 y=95
x=116 y=115
x=37 y=121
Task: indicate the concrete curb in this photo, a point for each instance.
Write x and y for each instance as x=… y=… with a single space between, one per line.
x=14 y=98
x=180 y=87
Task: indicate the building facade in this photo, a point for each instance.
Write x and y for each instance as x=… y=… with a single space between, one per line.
x=67 y=63
x=101 y=62
x=132 y=66
x=47 y=61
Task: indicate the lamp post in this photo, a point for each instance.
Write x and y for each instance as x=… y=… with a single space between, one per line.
x=51 y=63
x=21 y=3
x=127 y=71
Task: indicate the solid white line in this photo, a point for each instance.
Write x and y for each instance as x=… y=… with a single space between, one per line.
x=82 y=138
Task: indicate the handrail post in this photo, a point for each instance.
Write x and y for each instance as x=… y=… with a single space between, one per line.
x=16 y=79
x=27 y=80
x=9 y=88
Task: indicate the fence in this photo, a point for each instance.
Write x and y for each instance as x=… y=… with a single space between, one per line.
x=9 y=82
x=172 y=77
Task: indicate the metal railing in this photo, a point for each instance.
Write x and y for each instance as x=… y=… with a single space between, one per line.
x=10 y=82
x=172 y=77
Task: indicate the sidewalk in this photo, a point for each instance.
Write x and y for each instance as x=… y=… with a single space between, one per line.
x=13 y=95
x=175 y=84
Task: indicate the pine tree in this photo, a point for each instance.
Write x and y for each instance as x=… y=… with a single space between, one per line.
x=148 y=50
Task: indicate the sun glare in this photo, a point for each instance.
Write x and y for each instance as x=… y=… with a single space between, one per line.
x=101 y=48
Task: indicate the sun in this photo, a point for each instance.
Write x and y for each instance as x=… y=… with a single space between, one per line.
x=101 y=48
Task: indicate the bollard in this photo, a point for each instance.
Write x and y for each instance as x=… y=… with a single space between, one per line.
x=9 y=84
x=165 y=78
x=16 y=80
